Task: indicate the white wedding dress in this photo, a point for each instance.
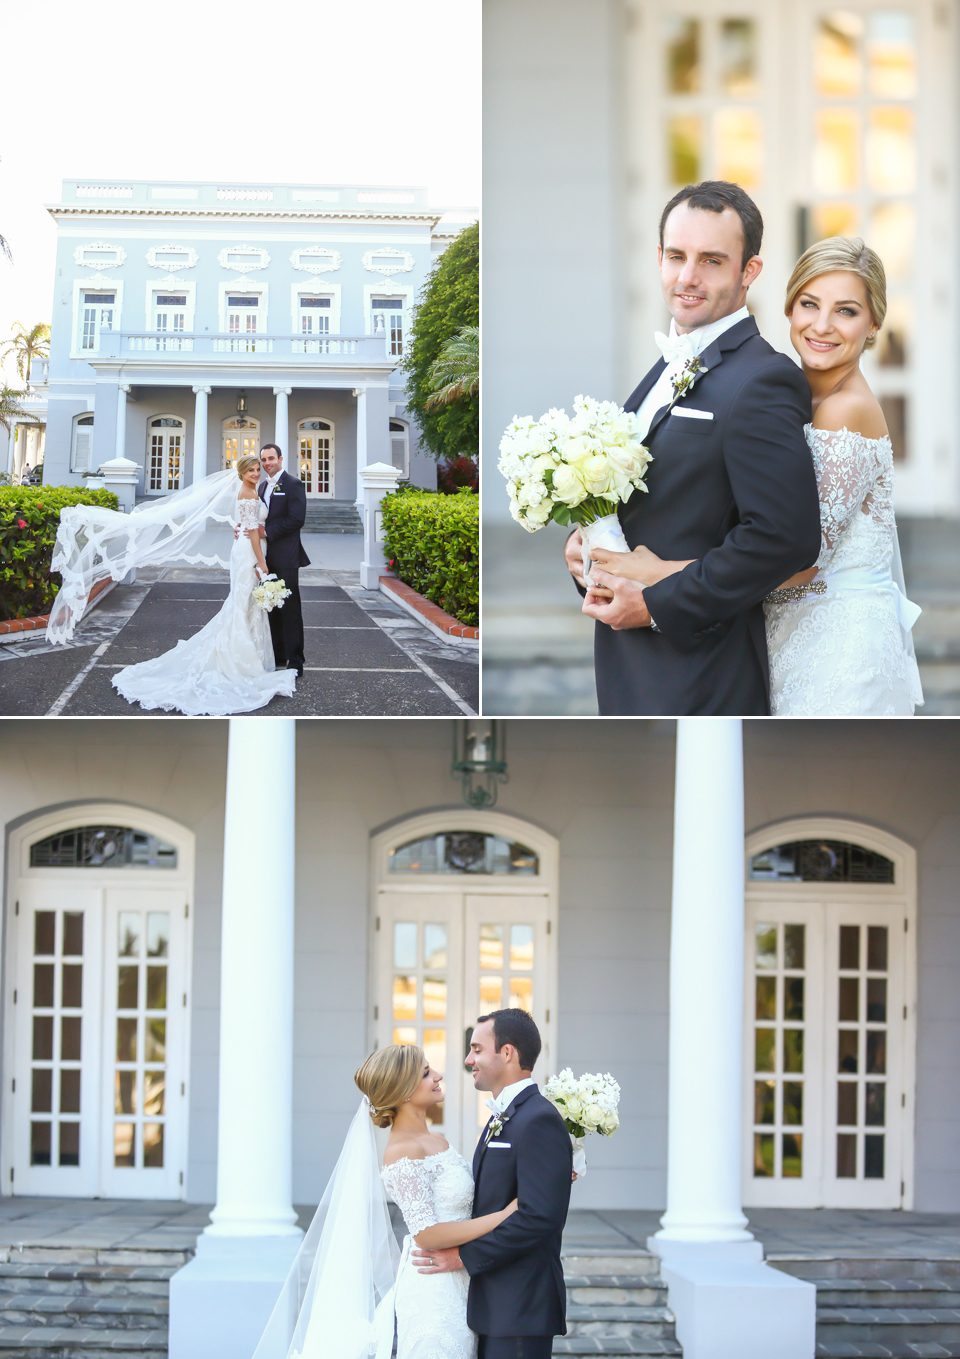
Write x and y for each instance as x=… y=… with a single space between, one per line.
x=227 y=667
x=431 y=1309
x=841 y=646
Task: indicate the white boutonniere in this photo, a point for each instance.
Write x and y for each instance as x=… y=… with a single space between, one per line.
x=496 y=1125
x=684 y=380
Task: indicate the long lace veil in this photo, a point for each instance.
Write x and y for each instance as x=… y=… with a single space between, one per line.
x=337 y=1301
x=192 y=526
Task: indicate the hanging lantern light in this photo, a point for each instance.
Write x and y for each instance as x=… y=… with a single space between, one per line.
x=479 y=759
x=242 y=420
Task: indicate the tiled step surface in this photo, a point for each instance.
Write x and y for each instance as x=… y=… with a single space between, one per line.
x=884 y=1308
x=616 y=1313
x=332 y=516
x=63 y=1304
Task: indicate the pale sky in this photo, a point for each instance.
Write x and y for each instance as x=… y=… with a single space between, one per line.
x=306 y=91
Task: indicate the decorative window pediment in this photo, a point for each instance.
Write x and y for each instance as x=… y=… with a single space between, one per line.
x=820 y=861
x=102 y=847
x=316 y=260
x=171 y=257
x=99 y=255
x=243 y=257
x=386 y=260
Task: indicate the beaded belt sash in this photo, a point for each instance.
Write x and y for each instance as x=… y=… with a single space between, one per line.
x=792 y=592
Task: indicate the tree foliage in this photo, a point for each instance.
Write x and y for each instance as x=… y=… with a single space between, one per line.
x=449 y=302
x=26 y=346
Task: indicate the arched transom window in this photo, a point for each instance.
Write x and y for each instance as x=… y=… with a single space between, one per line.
x=102 y=846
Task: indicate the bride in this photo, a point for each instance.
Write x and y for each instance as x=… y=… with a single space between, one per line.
x=345 y=1289
x=228 y=666
x=838 y=635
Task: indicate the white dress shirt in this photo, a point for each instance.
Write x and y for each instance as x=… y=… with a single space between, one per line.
x=678 y=350
x=268 y=491
x=508 y=1094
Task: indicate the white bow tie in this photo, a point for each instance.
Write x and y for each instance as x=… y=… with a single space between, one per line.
x=676 y=348
x=493 y=1105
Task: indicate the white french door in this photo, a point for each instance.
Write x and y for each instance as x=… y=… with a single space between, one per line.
x=238 y=441
x=165 y=455
x=387 y=320
x=825 y=1055
x=445 y=957
x=243 y=323
x=170 y=319
x=99 y=1011
x=316 y=452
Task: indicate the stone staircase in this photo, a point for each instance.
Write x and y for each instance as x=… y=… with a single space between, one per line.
x=883 y=1308
x=332 y=516
x=86 y=1303
x=616 y=1305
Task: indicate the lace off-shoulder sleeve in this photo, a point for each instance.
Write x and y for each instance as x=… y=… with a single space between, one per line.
x=847 y=467
x=409 y=1185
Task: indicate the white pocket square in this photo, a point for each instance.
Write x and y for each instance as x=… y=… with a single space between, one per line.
x=499 y=1144
x=691 y=414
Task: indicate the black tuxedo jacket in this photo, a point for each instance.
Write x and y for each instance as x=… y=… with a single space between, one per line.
x=737 y=491
x=516 y=1279
x=285 y=518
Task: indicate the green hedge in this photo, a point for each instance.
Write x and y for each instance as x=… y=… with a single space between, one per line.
x=29 y=516
x=434 y=541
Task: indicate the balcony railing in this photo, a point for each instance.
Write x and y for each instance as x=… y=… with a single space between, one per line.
x=304 y=347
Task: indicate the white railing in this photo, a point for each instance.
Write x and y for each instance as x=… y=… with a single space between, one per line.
x=374 y=347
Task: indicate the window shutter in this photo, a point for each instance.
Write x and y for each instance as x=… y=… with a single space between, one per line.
x=81 y=457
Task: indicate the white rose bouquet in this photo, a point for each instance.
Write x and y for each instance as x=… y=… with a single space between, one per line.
x=270 y=593
x=588 y=1104
x=575 y=470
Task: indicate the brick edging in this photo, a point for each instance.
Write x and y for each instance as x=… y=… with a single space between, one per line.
x=14 y=628
x=431 y=615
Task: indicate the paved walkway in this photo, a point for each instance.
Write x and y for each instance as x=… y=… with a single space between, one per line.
x=365 y=656
x=137 y=1224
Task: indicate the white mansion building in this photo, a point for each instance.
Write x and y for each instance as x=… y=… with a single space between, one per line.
x=191 y=322
x=201 y=944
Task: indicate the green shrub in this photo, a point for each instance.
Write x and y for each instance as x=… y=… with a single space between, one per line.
x=29 y=517
x=434 y=541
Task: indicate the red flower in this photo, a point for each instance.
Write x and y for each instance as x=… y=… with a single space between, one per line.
x=21 y=523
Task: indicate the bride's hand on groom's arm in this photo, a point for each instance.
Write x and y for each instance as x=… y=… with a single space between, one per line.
x=624 y=608
x=641 y=565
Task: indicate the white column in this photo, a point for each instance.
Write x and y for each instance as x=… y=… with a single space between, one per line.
x=704 y=1153
x=361 y=394
x=121 y=449
x=254 y=1185
x=281 y=425
x=200 y=433
x=221 y=1300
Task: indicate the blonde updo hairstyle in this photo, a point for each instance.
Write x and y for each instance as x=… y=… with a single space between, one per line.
x=847 y=253
x=389 y=1077
x=245 y=463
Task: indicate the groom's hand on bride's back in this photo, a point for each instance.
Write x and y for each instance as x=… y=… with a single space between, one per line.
x=619 y=603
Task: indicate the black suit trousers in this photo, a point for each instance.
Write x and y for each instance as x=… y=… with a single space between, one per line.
x=515 y=1347
x=286 y=628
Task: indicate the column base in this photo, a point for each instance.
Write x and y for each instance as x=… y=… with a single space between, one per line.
x=728 y=1304
x=221 y=1301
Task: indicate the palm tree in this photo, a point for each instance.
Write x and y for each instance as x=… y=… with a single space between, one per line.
x=10 y=408
x=26 y=346
x=455 y=372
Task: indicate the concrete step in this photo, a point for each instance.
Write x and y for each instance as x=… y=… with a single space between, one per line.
x=846 y=1293
x=619 y=1290
x=890 y=1270
x=332 y=516
x=928 y=1326
x=88 y=1280
x=69 y=1309
x=616 y=1345
x=888 y=1349
x=57 y=1342
x=608 y=1323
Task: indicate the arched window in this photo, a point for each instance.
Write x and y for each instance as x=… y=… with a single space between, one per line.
x=82 y=443
x=820 y=861
x=165 y=436
x=100 y=846
x=400 y=446
x=462 y=851
x=241 y=435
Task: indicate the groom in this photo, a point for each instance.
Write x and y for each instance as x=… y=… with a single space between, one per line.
x=517 y=1298
x=286 y=503
x=732 y=492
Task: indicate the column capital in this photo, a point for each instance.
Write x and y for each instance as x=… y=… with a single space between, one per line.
x=282 y=391
x=125 y=386
x=359 y=391
x=198 y=389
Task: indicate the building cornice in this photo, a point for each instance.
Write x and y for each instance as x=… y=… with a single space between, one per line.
x=246 y=213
